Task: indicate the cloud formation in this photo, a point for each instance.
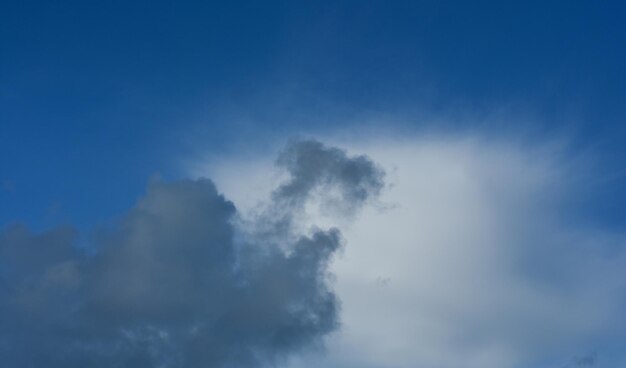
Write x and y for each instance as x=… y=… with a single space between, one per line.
x=177 y=283
x=480 y=258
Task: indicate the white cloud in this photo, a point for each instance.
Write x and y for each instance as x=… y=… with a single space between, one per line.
x=468 y=262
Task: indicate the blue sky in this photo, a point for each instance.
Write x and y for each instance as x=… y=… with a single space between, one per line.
x=99 y=98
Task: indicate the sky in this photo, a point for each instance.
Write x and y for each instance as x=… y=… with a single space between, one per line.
x=302 y=184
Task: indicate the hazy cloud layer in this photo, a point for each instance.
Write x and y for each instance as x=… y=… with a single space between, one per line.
x=480 y=258
x=177 y=283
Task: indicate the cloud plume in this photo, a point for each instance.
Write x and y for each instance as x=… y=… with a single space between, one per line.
x=177 y=283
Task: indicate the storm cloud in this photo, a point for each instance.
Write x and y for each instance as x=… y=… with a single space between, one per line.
x=176 y=282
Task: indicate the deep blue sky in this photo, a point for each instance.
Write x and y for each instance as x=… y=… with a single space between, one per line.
x=95 y=97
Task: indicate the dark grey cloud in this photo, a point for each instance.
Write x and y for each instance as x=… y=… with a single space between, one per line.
x=342 y=183
x=169 y=285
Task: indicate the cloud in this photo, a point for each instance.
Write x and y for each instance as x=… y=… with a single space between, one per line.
x=179 y=281
x=477 y=260
x=313 y=166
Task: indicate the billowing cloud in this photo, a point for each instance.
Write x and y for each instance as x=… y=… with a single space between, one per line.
x=179 y=281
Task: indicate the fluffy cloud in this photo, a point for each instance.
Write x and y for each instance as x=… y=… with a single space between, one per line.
x=180 y=281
